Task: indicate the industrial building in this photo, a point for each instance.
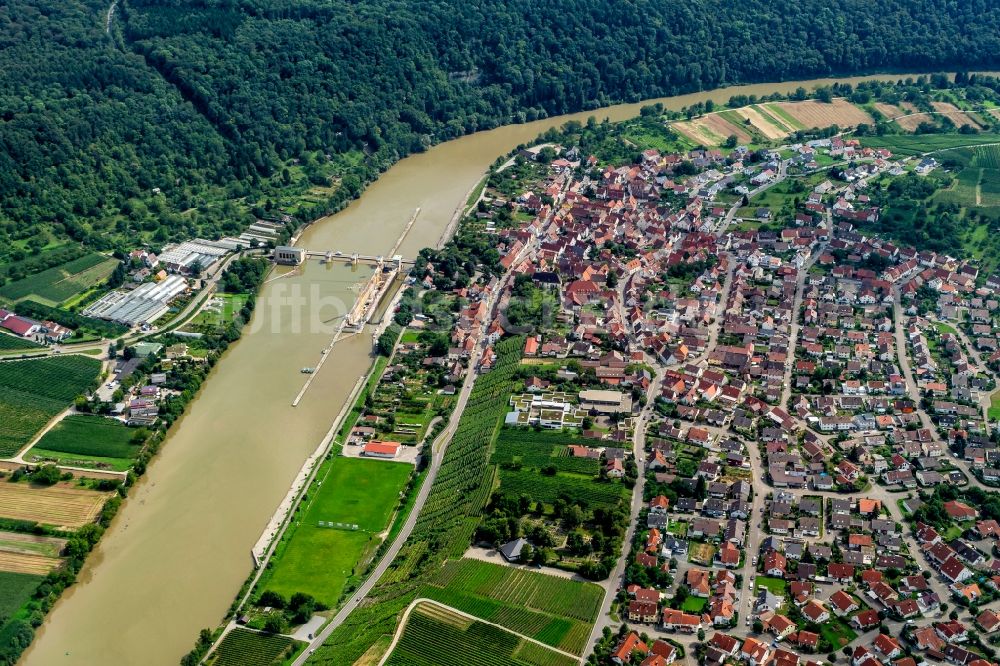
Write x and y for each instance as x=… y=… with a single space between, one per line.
x=289 y=256
x=142 y=305
x=605 y=402
x=198 y=253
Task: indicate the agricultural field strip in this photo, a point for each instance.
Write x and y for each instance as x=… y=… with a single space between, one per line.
x=957 y=116
x=780 y=114
x=60 y=378
x=59 y=283
x=15 y=590
x=29 y=563
x=242 y=647
x=89 y=436
x=770 y=127
x=34 y=391
x=821 y=114
x=430 y=625
x=60 y=506
x=10 y=342
x=527 y=589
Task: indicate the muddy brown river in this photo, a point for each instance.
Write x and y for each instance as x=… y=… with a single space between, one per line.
x=179 y=550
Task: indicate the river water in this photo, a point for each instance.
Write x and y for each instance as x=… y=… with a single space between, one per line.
x=178 y=551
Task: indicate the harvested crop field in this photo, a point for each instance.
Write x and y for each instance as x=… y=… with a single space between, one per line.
x=767 y=126
x=912 y=121
x=712 y=130
x=28 y=563
x=822 y=114
x=888 y=110
x=61 y=505
x=719 y=126
x=955 y=114
x=697 y=133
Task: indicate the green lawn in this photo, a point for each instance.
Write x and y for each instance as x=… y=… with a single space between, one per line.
x=777 y=586
x=945 y=328
x=221 y=309
x=677 y=527
x=953 y=532
x=694 y=604
x=91 y=441
x=320 y=560
x=837 y=632
x=993 y=413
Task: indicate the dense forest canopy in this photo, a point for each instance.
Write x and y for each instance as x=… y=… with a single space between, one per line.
x=209 y=101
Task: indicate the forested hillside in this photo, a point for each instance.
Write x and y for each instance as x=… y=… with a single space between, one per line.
x=84 y=126
x=212 y=100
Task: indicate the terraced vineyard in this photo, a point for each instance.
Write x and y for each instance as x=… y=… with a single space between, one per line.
x=34 y=391
x=528 y=589
x=435 y=636
x=241 y=647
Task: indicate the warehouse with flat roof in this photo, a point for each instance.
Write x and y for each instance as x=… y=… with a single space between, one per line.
x=142 y=305
x=605 y=402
